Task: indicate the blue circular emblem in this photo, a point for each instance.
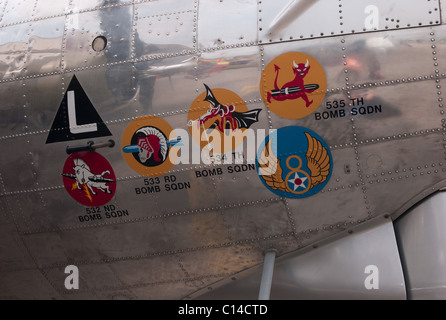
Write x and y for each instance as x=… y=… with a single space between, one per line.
x=294 y=162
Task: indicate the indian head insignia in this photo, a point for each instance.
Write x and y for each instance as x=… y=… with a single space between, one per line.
x=294 y=162
x=150 y=146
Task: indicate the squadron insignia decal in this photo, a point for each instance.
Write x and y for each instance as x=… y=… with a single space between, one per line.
x=89 y=178
x=146 y=146
x=76 y=117
x=294 y=162
x=293 y=85
x=220 y=115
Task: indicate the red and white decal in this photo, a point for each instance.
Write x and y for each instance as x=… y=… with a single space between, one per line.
x=89 y=178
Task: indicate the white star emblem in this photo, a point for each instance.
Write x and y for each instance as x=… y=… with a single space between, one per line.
x=297 y=181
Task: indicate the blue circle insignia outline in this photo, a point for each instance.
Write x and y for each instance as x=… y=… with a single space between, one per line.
x=286 y=158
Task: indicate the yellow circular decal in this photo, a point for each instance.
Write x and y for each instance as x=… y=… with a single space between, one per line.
x=149 y=146
x=293 y=85
x=218 y=120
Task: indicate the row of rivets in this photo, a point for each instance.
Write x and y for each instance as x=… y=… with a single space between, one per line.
x=355 y=142
x=141 y=219
x=438 y=86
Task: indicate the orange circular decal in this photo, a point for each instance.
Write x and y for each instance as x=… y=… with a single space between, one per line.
x=218 y=120
x=149 y=146
x=293 y=85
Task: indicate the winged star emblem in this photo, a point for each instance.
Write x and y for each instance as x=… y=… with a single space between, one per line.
x=297 y=181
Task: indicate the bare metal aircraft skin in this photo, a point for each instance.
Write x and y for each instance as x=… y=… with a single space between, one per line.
x=162 y=149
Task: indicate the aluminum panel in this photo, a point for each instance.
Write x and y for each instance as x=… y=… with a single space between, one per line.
x=182 y=191
x=341 y=17
x=15 y=213
x=6 y=216
x=47 y=248
x=362 y=15
x=47 y=160
x=235 y=69
x=13 y=179
x=122 y=241
x=234 y=23
x=345 y=172
x=48 y=215
x=385 y=157
x=12 y=110
x=389 y=174
x=13 y=51
x=232 y=183
x=376 y=111
x=194 y=230
x=19 y=255
x=442 y=12
x=42 y=55
x=47 y=8
x=44 y=44
x=165 y=85
x=377 y=57
x=26 y=285
x=314 y=221
x=113 y=23
x=3 y=4
x=90 y=5
x=148 y=271
x=215 y=261
x=438 y=49
x=12 y=9
x=283 y=20
x=165 y=28
x=254 y=221
x=3 y=206
x=35 y=51
x=41 y=104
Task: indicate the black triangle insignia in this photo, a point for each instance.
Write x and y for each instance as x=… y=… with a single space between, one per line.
x=76 y=118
